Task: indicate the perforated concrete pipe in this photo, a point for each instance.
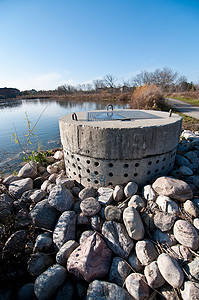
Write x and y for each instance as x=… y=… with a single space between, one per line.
x=103 y=148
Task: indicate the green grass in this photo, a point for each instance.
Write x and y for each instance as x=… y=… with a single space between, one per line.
x=188 y=100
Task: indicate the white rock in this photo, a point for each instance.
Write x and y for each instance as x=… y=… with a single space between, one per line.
x=191 y=208
x=190 y=291
x=186 y=234
x=146 y=252
x=196 y=223
x=130 y=189
x=58 y=155
x=137 y=202
x=52 y=169
x=148 y=193
x=133 y=223
x=167 y=205
x=153 y=275
x=118 y=193
x=137 y=287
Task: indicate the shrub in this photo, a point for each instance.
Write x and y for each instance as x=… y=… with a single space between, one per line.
x=147 y=97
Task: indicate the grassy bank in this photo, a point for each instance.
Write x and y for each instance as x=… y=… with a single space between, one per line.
x=188 y=100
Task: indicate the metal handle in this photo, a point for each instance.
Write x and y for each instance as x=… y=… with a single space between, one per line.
x=170 y=113
x=109 y=114
x=74 y=116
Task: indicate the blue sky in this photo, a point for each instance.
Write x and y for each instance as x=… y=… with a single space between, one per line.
x=46 y=43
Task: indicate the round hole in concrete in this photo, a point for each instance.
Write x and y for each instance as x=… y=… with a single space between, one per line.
x=88 y=171
x=148 y=181
x=110 y=183
x=164 y=158
x=68 y=161
x=110 y=174
x=135 y=174
x=149 y=172
x=163 y=168
x=125 y=166
x=87 y=151
x=96 y=181
x=96 y=164
x=74 y=173
x=72 y=156
x=126 y=175
x=136 y=165
x=78 y=159
x=169 y=164
x=88 y=162
x=110 y=165
x=74 y=166
x=156 y=171
x=79 y=168
x=157 y=161
x=80 y=176
x=95 y=172
x=150 y=163
x=69 y=169
x=88 y=180
x=67 y=153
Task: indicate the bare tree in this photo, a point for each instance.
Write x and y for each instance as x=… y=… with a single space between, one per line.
x=110 y=81
x=99 y=84
x=66 y=89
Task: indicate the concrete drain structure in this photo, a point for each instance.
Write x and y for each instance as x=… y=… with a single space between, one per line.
x=104 y=148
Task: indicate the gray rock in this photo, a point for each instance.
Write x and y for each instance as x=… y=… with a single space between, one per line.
x=10 y=179
x=65 y=181
x=58 y=155
x=17 y=188
x=185 y=171
x=192 y=269
x=167 y=205
x=164 y=221
x=37 y=196
x=52 y=169
x=146 y=252
x=45 y=185
x=90 y=206
x=166 y=238
x=135 y=263
x=147 y=219
x=117 y=238
x=168 y=293
x=38 y=263
x=48 y=282
x=196 y=223
x=52 y=178
x=26 y=196
x=130 y=189
x=182 y=161
x=112 y=213
x=181 y=253
x=64 y=229
x=133 y=223
x=170 y=270
x=85 y=235
x=43 y=243
x=173 y=188
x=15 y=243
x=6 y=201
x=26 y=292
x=118 y=193
x=106 y=290
x=137 y=287
x=44 y=215
x=29 y=170
x=153 y=275
x=4 y=215
x=136 y=202
x=75 y=191
x=96 y=223
x=66 y=291
x=119 y=271
x=190 y=291
x=87 y=192
x=82 y=219
x=186 y=234
x=22 y=218
x=65 y=251
x=191 y=156
x=191 y=208
x=148 y=193
x=105 y=195
x=61 y=198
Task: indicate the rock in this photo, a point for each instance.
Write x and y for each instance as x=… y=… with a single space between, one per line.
x=181 y=253
x=38 y=181
x=168 y=293
x=22 y=218
x=58 y=155
x=65 y=181
x=164 y=221
x=85 y=234
x=64 y=229
x=190 y=291
x=10 y=179
x=75 y=191
x=26 y=196
x=185 y=171
x=61 y=198
x=192 y=269
x=41 y=170
x=6 y=201
x=153 y=275
x=17 y=188
x=91 y=260
x=66 y=291
x=48 y=282
x=182 y=161
x=166 y=238
x=117 y=238
x=37 y=196
x=170 y=270
x=81 y=290
x=147 y=219
x=137 y=202
x=50 y=187
x=15 y=243
x=52 y=169
x=146 y=252
x=148 y=193
x=137 y=287
x=52 y=178
x=87 y=193
x=173 y=188
x=90 y=206
x=26 y=292
x=191 y=156
x=105 y=195
x=135 y=263
x=167 y=205
x=133 y=223
x=191 y=208
x=186 y=234
x=45 y=185
x=119 y=271
x=43 y=243
x=29 y=170
x=38 y=263
x=4 y=215
x=65 y=251
x=44 y=215
x=96 y=223
x=118 y=193
x=82 y=219
x=196 y=223
x=112 y=213
x=188 y=134
x=130 y=189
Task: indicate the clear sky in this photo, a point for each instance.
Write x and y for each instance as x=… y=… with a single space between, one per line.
x=46 y=43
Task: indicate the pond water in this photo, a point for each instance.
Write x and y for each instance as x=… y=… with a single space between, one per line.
x=16 y=114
